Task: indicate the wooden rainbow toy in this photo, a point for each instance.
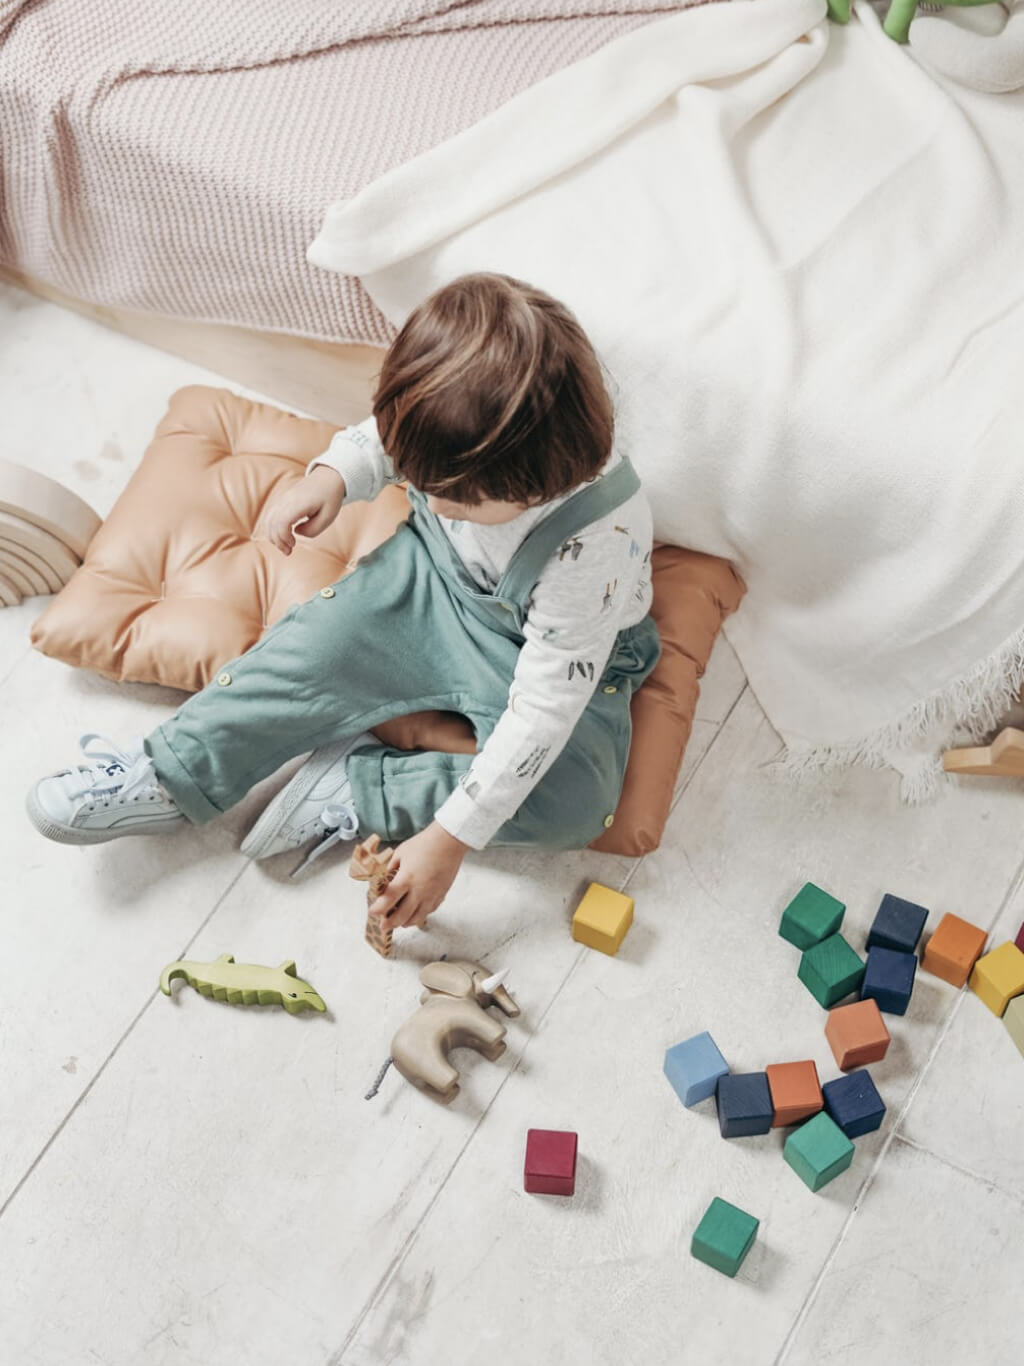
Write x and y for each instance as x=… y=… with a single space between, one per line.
x=44 y=532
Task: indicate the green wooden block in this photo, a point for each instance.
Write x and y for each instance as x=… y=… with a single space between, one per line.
x=831 y=970
x=811 y=916
x=818 y=1151
x=724 y=1236
x=1014 y=1021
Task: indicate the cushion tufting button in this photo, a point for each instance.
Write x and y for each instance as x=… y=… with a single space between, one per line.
x=223 y=680
x=327 y=592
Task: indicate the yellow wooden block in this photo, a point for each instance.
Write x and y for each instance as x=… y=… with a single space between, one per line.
x=1014 y=1021
x=998 y=977
x=602 y=918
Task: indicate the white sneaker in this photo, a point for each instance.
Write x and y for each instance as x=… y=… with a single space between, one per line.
x=315 y=805
x=115 y=794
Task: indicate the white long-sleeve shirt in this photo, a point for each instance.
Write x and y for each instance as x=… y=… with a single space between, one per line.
x=598 y=583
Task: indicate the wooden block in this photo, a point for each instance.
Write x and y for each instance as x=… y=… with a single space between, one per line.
x=831 y=970
x=724 y=1236
x=897 y=924
x=818 y=1151
x=998 y=977
x=795 y=1091
x=810 y=917
x=857 y=1034
x=1019 y=941
x=853 y=1103
x=1003 y=758
x=744 y=1104
x=953 y=949
x=48 y=505
x=694 y=1068
x=550 y=1167
x=889 y=979
x=1014 y=1021
x=602 y=918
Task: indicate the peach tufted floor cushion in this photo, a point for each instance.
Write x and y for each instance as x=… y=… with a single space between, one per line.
x=173 y=585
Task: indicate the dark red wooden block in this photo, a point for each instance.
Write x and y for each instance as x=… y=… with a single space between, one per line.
x=550 y=1162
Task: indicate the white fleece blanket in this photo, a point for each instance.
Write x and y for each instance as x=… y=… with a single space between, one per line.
x=797 y=249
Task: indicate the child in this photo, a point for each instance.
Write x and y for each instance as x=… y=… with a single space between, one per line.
x=517 y=594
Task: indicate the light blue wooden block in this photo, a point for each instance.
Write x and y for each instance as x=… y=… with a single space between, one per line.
x=694 y=1067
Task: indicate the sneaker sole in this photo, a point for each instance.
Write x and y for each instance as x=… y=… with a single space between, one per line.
x=263 y=833
x=72 y=834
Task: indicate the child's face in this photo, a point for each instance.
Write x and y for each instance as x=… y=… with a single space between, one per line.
x=490 y=512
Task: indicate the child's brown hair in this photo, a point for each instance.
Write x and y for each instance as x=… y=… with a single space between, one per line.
x=491 y=390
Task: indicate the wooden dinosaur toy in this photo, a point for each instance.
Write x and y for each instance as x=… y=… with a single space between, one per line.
x=900 y=14
x=247 y=984
x=369 y=863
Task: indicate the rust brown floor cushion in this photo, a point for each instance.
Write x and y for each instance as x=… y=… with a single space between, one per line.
x=173 y=585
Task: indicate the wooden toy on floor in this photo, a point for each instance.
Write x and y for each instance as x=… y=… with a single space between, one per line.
x=45 y=530
x=602 y=918
x=857 y=1034
x=818 y=1151
x=889 y=979
x=369 y=863
x=897 y=925
x=953 y=949
x=744 y=1103
x=550 y=1166
x=811 y=916
x=853 y=1103
x=694 y=1068
x=795 y=1091
x=1003 y=758
x=452 y=1014
x=724 y=1236
x=1014 y=1021
x=831 y=970
x=247 y=984
x=998 y=977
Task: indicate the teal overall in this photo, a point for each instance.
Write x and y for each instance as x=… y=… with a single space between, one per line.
x=408 y=630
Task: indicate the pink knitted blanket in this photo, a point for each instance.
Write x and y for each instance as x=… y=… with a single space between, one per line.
x=177 y=158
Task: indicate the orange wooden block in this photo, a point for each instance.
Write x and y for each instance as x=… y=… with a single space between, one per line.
x=857 y=1034
x=953 y=949
x=796 y=1092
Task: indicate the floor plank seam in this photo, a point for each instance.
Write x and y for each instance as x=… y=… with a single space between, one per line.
x=947 y=1024
x=111 y=1055
x=1015 y=1196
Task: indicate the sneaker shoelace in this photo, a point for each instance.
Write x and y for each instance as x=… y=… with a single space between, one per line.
x=339 y=823
x=112 y=774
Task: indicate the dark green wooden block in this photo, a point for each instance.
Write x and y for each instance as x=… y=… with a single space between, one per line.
x=811 y=916
x=831 y=970
x=724 y=1236
x=818 y=1151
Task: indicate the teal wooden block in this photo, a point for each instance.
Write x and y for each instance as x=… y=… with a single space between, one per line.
x=811 y=916
x=818 y=1151
x=831 y=970
x=724 y=1236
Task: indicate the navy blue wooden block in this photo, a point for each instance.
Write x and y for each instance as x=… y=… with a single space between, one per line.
x=897 y=924
x=889 y=979
x=854 y=1103
x=744 y=1104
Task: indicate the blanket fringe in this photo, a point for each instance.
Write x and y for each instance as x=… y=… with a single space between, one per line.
x=964 y=712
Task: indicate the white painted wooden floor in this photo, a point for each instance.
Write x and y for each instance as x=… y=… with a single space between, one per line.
x=183 y=1182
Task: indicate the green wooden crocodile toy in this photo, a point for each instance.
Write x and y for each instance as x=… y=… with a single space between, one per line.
x=247 y=984
x=900 y=14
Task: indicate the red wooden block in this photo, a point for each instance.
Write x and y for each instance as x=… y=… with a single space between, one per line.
x=1019 y=941
x=857 y=1034
x=550 y=1162
x=796 y=1092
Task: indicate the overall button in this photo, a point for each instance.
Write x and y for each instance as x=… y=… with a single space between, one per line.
x=609 y=821
x=610 y=688
x=223 y=680
x=327 y=592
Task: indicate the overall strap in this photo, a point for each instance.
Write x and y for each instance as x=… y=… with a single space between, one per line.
x=593 y=502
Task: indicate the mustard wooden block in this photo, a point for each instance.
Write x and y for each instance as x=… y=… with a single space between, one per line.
x=998 y=977
x=602 y=918
x=1014 y=1021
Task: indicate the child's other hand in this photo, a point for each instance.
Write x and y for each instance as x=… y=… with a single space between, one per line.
x=426 y=867
x=314 y=502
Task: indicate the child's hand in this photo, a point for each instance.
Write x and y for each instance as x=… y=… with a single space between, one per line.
x=314 y=501
x=426 y=867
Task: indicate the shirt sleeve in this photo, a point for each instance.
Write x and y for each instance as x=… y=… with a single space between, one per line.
x=575 y=613
x=358 y=456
